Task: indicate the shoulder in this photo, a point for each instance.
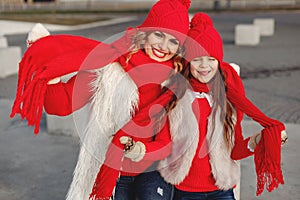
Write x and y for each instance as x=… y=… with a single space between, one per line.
x=230 y=68
x=232 y=78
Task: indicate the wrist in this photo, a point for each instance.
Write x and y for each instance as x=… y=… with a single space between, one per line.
x=254 y=140
x=140 y=153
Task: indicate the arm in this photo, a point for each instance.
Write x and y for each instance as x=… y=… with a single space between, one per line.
x=240 y=149
x=64 y=98
x=157 y=149
x=161 y=147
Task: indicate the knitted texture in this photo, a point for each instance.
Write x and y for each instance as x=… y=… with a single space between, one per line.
x=203 y=39
x=170 y=16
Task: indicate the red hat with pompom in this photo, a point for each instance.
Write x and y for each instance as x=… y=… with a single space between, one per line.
x=169 y=16
x=203 y=39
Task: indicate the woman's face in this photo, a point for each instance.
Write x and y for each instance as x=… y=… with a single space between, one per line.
x=161 y=46
x=204 y=68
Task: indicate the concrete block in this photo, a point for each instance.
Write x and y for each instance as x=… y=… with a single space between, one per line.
x=72 y=125
x=266 y=26
x=10 y=58
x=61 y=125
x=247 y=34
x=3 y=42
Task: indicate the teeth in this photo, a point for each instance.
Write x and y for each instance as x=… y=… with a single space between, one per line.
x=158 y=53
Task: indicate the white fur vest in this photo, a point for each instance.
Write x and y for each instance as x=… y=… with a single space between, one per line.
x=185 y=137
x=113 y=103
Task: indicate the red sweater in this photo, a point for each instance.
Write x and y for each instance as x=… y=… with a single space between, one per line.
x=60 y=99
x=200 y=177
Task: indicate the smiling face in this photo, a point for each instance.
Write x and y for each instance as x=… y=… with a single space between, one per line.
x=204 y=68
x=161 y=46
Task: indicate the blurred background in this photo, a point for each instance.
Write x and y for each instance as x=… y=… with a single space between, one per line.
x=261 y=36
x=119 y=5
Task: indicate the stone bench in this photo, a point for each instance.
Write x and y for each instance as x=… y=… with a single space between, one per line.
x=10 y=58
x=266 y=26
x=71 y=125
x=247 y=34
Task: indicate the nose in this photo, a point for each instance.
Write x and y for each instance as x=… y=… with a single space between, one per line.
x=163 y=45
x=204 y=63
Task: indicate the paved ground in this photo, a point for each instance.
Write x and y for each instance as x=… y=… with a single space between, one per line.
x=40 y=167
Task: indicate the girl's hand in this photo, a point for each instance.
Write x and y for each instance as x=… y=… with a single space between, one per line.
x=254 y=140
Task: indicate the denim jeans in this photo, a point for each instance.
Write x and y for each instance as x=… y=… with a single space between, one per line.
x=215 y=195
x=145 y=186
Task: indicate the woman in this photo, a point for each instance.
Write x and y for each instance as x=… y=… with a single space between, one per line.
x=121 y=84
x=206 y=126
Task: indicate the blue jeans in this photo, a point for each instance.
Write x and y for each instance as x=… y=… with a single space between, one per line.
x=215 y=195
x=145 y=186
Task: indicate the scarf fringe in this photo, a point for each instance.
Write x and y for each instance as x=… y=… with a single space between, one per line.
x=30 y=94
x=267 y=160
x=271 y=180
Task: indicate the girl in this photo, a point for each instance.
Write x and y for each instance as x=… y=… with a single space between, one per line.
x=121 y=94
x=206 y=126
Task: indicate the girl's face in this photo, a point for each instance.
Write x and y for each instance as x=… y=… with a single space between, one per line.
x=204 y=68
x=161 y=46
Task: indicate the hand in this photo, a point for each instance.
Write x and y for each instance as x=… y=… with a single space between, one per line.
x=254 y=140
x=133 y=150
x=284 y=137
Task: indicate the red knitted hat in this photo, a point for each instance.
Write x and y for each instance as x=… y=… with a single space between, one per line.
x=169 y=16
x=203 y=39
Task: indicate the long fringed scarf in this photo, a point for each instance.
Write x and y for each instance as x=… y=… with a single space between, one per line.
x=55 y=56
x=267 y=153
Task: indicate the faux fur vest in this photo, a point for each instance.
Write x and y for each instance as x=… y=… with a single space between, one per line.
x=185 y=138
x=113 y=103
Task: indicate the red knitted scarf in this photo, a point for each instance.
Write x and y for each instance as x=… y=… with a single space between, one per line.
x=267 y=155
x=55 y=56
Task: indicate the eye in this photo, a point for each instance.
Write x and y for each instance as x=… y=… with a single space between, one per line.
x=174 y=41
x=196 y=60
x=158 y=34
x=211 y=59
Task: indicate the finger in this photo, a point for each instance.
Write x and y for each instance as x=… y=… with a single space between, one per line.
x=284 y=137
x=124 y=139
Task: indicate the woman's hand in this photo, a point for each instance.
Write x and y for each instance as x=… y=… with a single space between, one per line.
x=133 y=150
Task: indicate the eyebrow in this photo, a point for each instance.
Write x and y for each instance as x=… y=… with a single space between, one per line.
x=170 y=34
